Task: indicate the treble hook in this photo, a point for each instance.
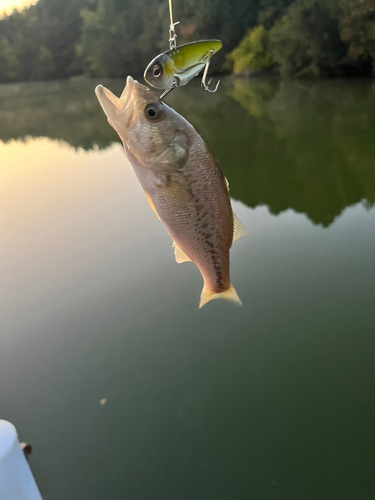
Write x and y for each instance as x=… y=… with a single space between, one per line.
x=203 y=83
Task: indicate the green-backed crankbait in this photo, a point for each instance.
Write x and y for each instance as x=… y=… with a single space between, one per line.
x=177 y=66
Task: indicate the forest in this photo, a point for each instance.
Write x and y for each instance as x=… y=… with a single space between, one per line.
x=59 y=39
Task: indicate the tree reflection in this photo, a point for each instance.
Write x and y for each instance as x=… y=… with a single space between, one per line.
x=313 y=149
x=306 y=146
x=66 y=111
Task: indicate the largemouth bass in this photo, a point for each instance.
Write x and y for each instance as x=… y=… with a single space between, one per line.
x=182 y=181
x=176 y=67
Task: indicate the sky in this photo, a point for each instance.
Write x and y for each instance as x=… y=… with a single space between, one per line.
x=9 y=5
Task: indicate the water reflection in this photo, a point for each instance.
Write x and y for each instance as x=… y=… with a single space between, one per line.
x=66 y=111
x=313 y=148
x=273 y=400
x=288 y=145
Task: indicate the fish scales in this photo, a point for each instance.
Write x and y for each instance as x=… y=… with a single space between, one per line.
x=198 y=214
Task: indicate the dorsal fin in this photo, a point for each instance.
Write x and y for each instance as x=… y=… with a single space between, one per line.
x=239 y=229
x=180 y=256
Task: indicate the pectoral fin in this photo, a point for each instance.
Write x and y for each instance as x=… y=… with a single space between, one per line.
x=180 y=256
x=239 y=229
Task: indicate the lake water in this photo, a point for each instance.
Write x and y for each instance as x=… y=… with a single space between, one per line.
x=125 y=389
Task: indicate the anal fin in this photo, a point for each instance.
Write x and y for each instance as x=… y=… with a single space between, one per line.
x=180 y=256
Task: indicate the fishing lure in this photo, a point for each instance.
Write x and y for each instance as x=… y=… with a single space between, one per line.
x=178 y=65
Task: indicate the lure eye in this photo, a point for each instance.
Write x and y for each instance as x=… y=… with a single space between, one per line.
x=154 y=112
x=156 y=71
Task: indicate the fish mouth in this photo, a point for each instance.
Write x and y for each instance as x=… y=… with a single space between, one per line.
x=130 y=84
x=110 y=103
x=121 y=109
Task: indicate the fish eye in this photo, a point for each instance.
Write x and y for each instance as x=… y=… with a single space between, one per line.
x=156 y=71
x=154 y=111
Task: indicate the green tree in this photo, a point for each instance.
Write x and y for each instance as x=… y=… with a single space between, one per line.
x=271 y=11
x=252 y=53
x=357 y=28
x=44 y=38
x=306 y=41
x=9 y=63
x=119 y=39
x=44 y=65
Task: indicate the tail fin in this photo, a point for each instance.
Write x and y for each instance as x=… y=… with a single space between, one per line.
x=229 y=294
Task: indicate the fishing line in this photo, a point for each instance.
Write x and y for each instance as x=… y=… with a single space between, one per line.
x=172 y=31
